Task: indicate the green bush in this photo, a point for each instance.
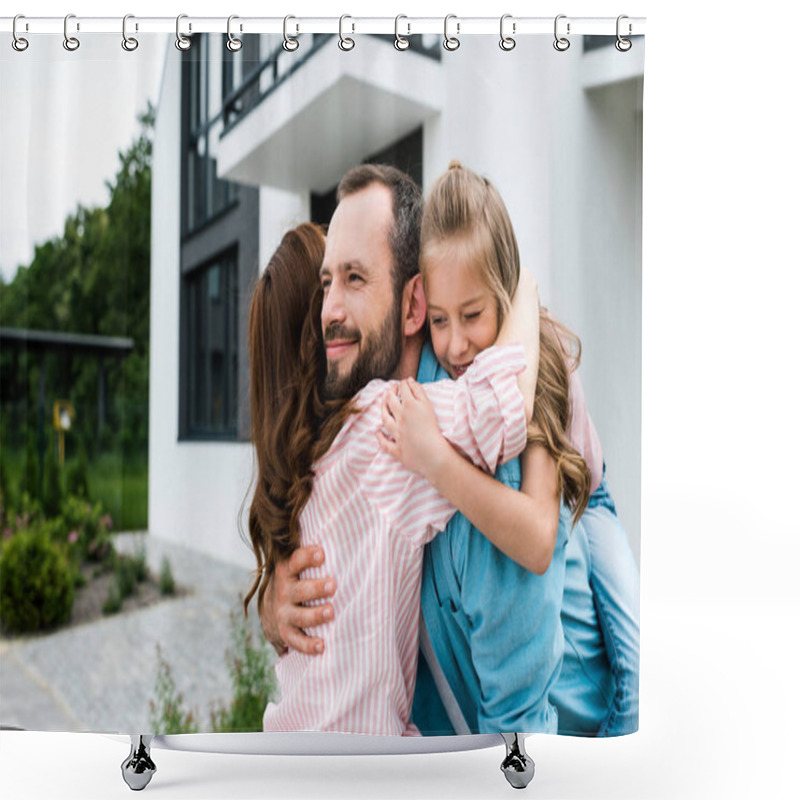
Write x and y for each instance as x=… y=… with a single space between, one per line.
x=113 y=602
x=52 y=485
x=36 y=582
x=166 y=583
x=78 y=476
x=253 y=682
x=129 y=571
x=139 y=563
x=6 y=499
x=30 y=483
x=125 y=576
x=167 y=714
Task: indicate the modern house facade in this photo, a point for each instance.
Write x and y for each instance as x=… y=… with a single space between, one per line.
x=249 y=144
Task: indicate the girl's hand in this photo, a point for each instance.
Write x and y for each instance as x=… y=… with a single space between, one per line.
x=410 y=431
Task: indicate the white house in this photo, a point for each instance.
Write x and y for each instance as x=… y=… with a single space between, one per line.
x=249 y=144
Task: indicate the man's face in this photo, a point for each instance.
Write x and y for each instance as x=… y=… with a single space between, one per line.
x=360 y=314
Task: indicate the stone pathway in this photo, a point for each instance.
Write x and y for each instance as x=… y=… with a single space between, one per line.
x=101 y=676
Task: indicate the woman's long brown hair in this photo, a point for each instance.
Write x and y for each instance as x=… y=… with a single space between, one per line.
x=292 y=424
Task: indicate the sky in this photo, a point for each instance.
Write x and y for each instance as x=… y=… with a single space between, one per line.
x=91 y=98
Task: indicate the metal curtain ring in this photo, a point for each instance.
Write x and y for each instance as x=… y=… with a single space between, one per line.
x=128 y=42
x=233 y=44
x=345 y=42
x=451 y=42
x=18 y=43
x=182 y=42
x=507 y=42
x=70 y=42
x=561 y=43
x=289 y=44
x=400 y=42
x=622 y=44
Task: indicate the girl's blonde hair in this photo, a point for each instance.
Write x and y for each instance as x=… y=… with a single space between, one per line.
x=464 y=205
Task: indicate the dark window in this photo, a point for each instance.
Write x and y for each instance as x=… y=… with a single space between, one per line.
x=212 y=357
x=405 y=154
x=205 y=195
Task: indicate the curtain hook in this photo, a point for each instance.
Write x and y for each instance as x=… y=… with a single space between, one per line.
x=561 y=43
x=346 y=43
x=129 y=43
x=18 y=43
x=233 y=44
x=182 y=42
x=289 y=43
x=70 y=42
x=507 y=42
x=451 y=42
x=622 y=44
x=400 y=42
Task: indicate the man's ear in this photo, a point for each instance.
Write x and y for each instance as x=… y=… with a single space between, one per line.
x=415 y=309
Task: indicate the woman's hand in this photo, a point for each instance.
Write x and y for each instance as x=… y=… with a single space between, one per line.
x=410 y=431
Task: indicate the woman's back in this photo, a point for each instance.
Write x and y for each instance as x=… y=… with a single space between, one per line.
x=372 y=518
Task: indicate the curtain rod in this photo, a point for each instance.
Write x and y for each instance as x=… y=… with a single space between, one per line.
x=461 y=26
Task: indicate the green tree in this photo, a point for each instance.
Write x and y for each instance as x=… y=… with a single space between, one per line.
x=94 y=279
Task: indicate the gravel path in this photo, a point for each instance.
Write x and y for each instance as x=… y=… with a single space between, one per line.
x=100 y=676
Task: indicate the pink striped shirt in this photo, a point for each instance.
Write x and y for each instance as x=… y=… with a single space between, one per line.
x=372 y=516
x=582 y=434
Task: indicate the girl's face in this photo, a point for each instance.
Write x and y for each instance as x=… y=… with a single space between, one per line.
x=462 y=311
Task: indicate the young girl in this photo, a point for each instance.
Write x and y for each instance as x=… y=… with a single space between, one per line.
x=470 y=266
x=322 y=477
x=470 y=269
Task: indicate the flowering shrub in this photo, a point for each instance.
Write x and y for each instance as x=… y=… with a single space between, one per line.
x=87 y=530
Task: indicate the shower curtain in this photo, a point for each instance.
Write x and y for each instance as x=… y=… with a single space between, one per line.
x=144 y=194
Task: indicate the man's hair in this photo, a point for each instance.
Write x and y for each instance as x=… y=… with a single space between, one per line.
x=407 y=210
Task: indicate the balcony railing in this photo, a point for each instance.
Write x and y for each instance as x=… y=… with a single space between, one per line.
x=280 y=65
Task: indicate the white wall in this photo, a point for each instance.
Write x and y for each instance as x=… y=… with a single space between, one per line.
x=278 y=211
x=196 y=489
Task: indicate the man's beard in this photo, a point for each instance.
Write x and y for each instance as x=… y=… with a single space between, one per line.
x=379 y=358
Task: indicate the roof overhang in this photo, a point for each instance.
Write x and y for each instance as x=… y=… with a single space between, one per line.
x=333 y=112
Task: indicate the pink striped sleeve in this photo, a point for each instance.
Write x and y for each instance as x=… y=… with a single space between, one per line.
x=582 y=434
x=482 y=415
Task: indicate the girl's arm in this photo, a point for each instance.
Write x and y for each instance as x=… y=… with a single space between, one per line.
x=523 y=524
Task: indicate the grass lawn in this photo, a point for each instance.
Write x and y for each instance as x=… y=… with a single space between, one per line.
x=120 y=484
